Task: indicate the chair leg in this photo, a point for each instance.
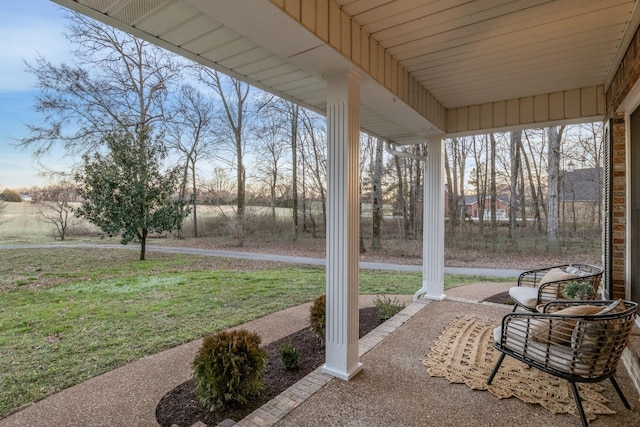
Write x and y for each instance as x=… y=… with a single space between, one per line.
x=619 y=391
x=576 y=396
x=515 y=307
x=495 y=368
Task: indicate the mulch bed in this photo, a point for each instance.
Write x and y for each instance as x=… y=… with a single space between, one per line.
x=501 y=298
x=180 y=406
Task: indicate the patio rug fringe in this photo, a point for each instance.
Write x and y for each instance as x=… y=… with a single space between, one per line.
x=464 y=354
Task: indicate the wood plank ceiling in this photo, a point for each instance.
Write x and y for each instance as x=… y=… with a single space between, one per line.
x=461 y=52
x=469 y=52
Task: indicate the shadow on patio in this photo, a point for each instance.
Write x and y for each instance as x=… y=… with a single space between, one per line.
x=395 y=389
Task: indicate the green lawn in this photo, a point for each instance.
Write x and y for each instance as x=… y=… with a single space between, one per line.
x=70 y=314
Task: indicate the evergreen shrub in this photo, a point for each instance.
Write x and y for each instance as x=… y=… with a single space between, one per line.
x=228 y=369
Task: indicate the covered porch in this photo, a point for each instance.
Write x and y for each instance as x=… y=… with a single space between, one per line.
x=412 y=72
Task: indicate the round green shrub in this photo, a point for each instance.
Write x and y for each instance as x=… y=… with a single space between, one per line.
x=318 y=317
x=289 y=356
x=228 y=369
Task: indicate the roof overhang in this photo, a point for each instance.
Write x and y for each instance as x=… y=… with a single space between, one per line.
x=428 y=68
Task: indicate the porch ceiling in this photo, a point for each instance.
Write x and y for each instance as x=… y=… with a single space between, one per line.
x=440 y=66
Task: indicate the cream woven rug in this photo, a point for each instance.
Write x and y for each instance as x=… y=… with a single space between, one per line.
x=464 y=354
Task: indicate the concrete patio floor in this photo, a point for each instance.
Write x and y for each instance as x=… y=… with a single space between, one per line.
x=394 y=388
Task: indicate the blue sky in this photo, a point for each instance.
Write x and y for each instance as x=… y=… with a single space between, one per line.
x=27 y=28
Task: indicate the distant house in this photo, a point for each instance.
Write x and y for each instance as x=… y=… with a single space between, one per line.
x=580 y=194
x=472 y=208
x=25 y=197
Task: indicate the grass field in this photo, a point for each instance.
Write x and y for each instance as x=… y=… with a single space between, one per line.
x=22 y=222
x=70 y=314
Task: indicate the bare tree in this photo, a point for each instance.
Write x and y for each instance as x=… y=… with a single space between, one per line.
x=515 y=168
x=532 y=183
x=270 y=154
x=55 y=207
x=368 y=145
x=401 y=199
x=294 y=114
x=480 y=177
x=492 y=181
x=221 y=188
x=457 y=151
x=190 y=134
x=234 y=95
x=452 y=197
x=314 y=142
x=289 y=113
x=117 y=83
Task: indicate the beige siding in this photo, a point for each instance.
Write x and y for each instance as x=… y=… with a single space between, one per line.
x=345 y=35
x=584 y=103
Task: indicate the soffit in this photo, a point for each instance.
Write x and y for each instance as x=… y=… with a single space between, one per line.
x=463 y=52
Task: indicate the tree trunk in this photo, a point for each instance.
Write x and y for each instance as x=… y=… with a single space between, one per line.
x=515 y=167
x=294 y=169
x=272 y=195
x=143 y=244
x=194 y=202
x=552 y=197
x=492 y=185
x=522 y=198
x=360 y=236
x=401 y=203
x=532 y=187
x=481 y=189
x=376 y=215
x=451 y=196
x=462 y=161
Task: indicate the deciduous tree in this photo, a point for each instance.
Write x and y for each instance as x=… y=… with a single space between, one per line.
x=236 y=116
x=55 y=207
x=191 y=135
x=115 y=83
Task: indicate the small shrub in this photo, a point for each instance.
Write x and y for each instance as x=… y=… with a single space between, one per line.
x=318 y=317
x=289 y=356
x=387 y=307
x=228 y=369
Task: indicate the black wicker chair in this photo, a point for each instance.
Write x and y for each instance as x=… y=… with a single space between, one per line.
x=540 y=286
x=580 y=341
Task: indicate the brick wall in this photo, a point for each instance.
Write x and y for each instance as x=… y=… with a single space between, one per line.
x=618 y=206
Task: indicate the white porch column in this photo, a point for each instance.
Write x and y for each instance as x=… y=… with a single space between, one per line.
x=343 y=193
x=433 y=224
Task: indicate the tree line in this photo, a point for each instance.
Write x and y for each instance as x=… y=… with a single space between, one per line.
x=148 y=122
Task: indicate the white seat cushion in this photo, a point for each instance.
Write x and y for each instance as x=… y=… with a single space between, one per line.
x=560 y=357
x=525 y=295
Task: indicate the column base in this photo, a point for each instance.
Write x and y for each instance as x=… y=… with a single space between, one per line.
x=340 y=374
x=424 y=293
